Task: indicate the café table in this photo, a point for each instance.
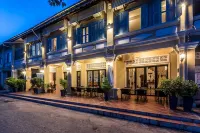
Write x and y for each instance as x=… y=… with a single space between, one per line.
x=141 y=93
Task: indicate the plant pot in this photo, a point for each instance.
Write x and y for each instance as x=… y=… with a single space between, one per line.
x=62 y=92
x=173 y=100
x=106 y=96
x=187 y=103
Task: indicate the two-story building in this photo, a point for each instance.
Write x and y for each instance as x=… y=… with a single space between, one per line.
x=133 y=43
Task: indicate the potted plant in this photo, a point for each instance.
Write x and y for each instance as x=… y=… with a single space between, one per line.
x=21 y=84
x=106 y=87
x=37 y=85
x=46 y=87
x=63 y=83
x=12 y=84
x=188 y=91
x=172 y=88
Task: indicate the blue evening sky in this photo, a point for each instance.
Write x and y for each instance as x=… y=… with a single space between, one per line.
x=17 y=16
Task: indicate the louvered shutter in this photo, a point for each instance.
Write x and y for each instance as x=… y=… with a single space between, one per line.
x=48 y=45
x=170 y=9
x=144 y=15
x=79 y=35
x=178 y=8
x=116 y=24
x=121 y=23
x=157 y=12
x=101 y=29
x=74 y=36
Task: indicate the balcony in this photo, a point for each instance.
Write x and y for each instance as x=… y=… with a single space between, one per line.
x=19 y=64
x=57 y=56
x=34 y=61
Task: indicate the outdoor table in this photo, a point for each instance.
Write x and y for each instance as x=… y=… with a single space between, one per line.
x=142 y=93
x=125 y=91
x=159 y=95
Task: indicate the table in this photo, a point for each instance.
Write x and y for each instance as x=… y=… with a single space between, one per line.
x=160 y=95
x=125 y=91
x=140 y=92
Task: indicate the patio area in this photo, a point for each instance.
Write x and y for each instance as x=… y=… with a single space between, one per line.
x=150 y=106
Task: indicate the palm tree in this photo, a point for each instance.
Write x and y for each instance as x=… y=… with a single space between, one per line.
x=57 y=3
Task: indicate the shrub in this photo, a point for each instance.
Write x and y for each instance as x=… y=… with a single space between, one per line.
x=37 y=82
x=16 y=84
x=190 y=88
x=63 y=83
x=106 y=85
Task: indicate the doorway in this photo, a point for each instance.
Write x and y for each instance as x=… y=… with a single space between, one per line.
x=146 y=77
x=95 y=77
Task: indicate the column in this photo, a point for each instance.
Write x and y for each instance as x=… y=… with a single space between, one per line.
x=69 y=78
x=13 y=73
x=28 y=79
x=59 y=75
x=110 y=30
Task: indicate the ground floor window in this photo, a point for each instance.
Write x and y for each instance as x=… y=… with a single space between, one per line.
x=95 y=77
x=146 y=77
x=78 y=78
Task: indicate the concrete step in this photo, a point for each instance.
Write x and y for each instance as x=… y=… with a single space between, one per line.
x=165 y=116
x=162 y=122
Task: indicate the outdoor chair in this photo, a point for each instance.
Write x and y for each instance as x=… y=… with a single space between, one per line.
x=73 y=91
x=160 y=96
x=88 y=91
x=125 y=92
x=141 y=94
x=100 y=92
x=79 y=91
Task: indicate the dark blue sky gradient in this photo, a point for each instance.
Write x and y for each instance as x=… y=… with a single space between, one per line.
x=17 y=16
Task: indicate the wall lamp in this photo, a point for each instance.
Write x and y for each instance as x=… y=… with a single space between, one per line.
x=182 y=57
x=109 y=26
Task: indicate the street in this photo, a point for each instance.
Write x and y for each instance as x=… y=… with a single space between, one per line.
x=25 y=117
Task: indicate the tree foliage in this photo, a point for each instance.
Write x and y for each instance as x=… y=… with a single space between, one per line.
x=57 y=3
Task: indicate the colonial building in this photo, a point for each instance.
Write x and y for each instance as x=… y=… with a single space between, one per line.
x=135 y=43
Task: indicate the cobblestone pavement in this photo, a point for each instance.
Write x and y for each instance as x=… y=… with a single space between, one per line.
x=25 y=117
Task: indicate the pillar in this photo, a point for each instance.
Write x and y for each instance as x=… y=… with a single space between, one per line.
x=110 y=31
x=59 y=75
x=28 y=79
x=13 y=73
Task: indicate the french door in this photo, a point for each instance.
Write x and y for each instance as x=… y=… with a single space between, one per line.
x=146 y=77
x=95 y=77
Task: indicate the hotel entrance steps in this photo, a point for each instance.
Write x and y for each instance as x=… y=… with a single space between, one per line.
x=180 y=123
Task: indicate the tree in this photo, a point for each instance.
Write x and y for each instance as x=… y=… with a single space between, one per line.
x=57 y=3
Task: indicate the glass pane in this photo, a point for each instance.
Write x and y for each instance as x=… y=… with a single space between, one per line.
x=96 y=78
x=54 y=44
x=135 y=19
x=163 y=17
x=90 y=77
x=83 y=39
x=151 y=80
x=163 y=5
x=131 y=80
x=83 y=31
x=102 y=76
x=87 y=38
x=87 y=31
x=33 y=50
x=140 y=78
x=78 y=79
x=161 y=74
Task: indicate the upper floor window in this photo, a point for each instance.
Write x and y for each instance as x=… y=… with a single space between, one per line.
x=19 y=53
x=91 y=32
x=163 y=11
x=8 y=57
x=35 y=49
x=135 y=19
x=56 y=43
x=196 y=4
x=85 y=34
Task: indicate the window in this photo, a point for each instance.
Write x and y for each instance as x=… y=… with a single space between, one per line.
x=196 y=4
x=163 y=11
x=19 y=53
x=85 y=35
x=135 y=19
x=8 y=57
x=35 y=49
x=54 y=44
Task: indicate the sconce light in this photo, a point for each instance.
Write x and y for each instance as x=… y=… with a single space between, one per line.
x=109 y=26
x=182 y=56
x=69 y=38
x=24 y=72
x=183 y=4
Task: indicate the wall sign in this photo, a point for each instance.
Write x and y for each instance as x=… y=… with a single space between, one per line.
x=101 y=65
x=148 y=60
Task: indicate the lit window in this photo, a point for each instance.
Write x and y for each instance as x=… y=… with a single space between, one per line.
x=163 y=11
x=54 y=44
x=135 y=19
x=33 y=49
x=85 y=35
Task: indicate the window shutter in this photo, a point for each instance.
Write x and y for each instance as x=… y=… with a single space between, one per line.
x=30 y=51
x=64 y=41
x=79 y=35
x=157 y=12
x=74 y=36
x=124 y=22
x=144 y=15
x=178 y=8
x=170 y=10
x=116 y=24
x=92 y=31
x=102 y=29
x=121 y=23
x=58 y=42
x=48 y=45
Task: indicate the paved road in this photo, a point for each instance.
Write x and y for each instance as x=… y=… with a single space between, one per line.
x=25 y=117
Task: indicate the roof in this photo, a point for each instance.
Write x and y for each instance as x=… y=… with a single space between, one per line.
x=57 y=17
